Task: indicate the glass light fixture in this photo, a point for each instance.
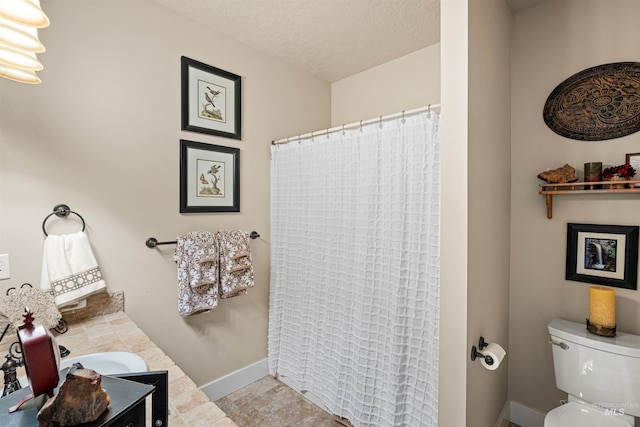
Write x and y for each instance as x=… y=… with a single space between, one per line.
x=19 y=43
x=19 y=59
x=20 y=37
x=25 y=12
x=18 y=75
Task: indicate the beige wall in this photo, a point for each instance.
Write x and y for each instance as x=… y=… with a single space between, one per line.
x=452 y=398
x=411 y=81
x=489 y=206
x=551 y=42
x=101 y=134
x=475 y=208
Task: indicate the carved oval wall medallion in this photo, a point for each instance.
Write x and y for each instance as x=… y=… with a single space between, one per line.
x=598 y=103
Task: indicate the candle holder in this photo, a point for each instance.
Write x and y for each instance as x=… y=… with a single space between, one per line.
x=603 y=331
x=593 y=173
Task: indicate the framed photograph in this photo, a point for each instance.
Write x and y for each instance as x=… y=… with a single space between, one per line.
x=634 y=160
x=209 y=178
x=210 y=100
x=603 y=255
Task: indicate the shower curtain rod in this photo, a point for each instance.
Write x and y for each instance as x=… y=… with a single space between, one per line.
x=355 y=124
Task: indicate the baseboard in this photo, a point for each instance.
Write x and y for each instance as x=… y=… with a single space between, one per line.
x=525 y=416
x=236 y=380
x=505 y=415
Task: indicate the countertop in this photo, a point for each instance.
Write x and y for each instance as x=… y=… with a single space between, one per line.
x=188 y=405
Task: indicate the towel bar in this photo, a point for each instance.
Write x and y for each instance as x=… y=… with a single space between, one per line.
x=152 y=242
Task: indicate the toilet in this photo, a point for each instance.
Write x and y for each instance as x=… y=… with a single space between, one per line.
x=600 y=374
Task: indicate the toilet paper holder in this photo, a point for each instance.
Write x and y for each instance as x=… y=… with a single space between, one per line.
x=475 y=352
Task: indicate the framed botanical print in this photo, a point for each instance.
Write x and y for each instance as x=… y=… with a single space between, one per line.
x=211 y=100
x=209 y=178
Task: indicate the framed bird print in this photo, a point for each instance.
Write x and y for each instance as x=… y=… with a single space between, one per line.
x=211 y=100
x=209 y=178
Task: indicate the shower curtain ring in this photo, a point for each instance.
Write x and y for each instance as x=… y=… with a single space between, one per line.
x=403 y=119
x=343 y=132
x=360 y=125
x=380 y=122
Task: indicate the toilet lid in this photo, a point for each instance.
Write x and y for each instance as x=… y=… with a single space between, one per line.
x=573 y=414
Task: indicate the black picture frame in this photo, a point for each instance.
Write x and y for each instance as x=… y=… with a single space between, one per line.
x=211 y=99
x=603 y=254
x=209 y=178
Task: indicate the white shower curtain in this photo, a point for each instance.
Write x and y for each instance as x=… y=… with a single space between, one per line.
x=353 y=317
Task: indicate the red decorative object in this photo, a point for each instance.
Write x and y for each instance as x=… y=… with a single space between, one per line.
x=41 y=357
x=624 y=171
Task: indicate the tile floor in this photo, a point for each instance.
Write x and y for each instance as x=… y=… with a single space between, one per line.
x=270 y=403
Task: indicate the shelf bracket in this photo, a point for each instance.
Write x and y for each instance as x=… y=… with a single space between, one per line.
x=549 y=199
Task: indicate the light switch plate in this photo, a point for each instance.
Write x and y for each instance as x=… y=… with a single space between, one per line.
x=5 y=272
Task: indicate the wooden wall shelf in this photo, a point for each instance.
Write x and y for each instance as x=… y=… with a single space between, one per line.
x=600 y=187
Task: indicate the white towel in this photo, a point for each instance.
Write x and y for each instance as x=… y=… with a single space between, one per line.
x=70 y=271
x=236 y=268
x=197 y=257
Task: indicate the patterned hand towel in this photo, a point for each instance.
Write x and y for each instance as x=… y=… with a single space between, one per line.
x=197 y=257
x=236 y=269
x=70 y=271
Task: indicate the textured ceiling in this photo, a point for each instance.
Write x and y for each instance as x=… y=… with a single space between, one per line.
x=330 y=39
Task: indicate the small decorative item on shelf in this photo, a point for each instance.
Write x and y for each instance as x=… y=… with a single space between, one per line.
x=593 y=173
x=566 y=173
x=619 y=173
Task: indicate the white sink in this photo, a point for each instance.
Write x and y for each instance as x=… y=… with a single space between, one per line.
x=107 y=363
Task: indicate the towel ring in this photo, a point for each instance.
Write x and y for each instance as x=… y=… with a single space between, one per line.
x=61 y=211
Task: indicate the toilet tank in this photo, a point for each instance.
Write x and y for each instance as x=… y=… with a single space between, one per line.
x=603 y=371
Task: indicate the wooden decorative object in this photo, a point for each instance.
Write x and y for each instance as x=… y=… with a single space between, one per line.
x=566 y=173
x=591 y=188
x=604 y=331
x=598 y=103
